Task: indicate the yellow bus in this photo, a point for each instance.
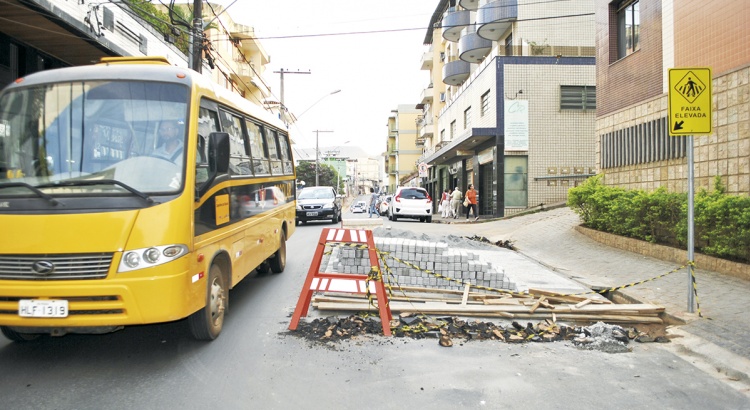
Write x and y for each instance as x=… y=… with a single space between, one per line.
x=135 y=192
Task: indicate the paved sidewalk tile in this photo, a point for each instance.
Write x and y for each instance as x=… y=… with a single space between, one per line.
x=550 y=238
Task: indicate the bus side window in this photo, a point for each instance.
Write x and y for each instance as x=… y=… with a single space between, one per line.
x=208 y=122
x=286 y=154
x=273 y=152
x=239 y=159
x=257 y=149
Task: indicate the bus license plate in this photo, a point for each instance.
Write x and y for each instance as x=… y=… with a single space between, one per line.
x=312 y=214
x=42 y=308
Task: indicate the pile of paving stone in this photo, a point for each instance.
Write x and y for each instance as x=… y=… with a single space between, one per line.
x=599 y=336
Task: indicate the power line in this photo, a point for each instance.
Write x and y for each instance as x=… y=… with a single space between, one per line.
x=408 y=29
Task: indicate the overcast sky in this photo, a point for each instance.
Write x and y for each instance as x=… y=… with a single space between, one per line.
x=375 y=72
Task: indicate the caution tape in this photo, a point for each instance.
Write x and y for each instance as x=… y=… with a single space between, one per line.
x=695 y=287
x=384 y=255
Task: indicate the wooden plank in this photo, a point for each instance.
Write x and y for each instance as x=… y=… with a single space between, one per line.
x=555 y=296
x=466 y=295
x=503 y=301
x=582 y=304
x=535 y=306
x=625 y=309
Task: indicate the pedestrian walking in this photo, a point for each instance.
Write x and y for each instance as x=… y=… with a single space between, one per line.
x=373 y=203
x=471 y=202
x=445 y=203
x=456 y=197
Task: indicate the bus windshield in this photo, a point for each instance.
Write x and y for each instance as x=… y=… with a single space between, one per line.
x=60 y=138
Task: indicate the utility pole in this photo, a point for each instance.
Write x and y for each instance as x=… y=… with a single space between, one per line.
x=317 y=183
x=197 y=43
x=281 y=89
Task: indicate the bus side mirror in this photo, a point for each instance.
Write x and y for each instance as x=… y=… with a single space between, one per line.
x=218 y=152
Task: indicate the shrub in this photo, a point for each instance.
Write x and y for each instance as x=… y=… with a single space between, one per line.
x=722 y=222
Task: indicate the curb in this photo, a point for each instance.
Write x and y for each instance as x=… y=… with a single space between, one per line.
x=727 y=367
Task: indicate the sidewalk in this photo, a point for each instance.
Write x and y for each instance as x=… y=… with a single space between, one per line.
x=721 y=336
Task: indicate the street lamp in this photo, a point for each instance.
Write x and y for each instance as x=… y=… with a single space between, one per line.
x=315 y=103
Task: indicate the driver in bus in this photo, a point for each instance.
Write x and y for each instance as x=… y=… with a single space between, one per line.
x=170 y=139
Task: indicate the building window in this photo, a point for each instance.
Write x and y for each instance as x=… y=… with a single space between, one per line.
x=485 y=104
x=509 y=45
x=442 y=135
x=467 y=118
x=516 y=181
x=577 y=97
x=628 y=28
x=453 y=129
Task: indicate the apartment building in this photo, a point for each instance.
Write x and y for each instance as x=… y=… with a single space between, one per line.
x=39 y=35
x=238 y=59
x=510 y=104
x=402 y=153
x=637 y=42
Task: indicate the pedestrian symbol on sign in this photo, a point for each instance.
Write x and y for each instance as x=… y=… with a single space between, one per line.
x=690 y=87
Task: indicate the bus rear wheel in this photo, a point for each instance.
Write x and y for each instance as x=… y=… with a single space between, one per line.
x=278 y=261
x=206 y=324
x=17 y=336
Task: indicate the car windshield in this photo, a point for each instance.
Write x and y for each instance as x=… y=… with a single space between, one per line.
x=413 y=194
x=59 y=138
x=311 y=193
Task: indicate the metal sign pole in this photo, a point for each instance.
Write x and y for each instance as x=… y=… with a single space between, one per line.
x=691 y=223
x=690 y=112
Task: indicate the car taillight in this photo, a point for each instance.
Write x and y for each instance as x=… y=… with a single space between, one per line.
x=429 y=199
x=397 y=198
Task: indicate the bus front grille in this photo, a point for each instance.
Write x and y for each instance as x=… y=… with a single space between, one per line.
x=55 y=267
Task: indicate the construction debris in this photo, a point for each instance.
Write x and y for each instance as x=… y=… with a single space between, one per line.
x=599 y=336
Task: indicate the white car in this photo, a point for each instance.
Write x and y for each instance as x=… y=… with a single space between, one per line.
x=410 y=202
x=359 y=207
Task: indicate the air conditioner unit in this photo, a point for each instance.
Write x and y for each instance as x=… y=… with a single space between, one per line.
x=442 y=97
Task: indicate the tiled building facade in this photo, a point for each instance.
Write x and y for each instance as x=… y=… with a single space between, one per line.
x=634 y=149
x=497 y=59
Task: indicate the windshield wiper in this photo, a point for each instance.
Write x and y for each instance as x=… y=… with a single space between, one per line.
x=85 y=182
x=31 y=188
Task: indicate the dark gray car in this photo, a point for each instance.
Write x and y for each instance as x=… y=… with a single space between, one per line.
x=318 y=203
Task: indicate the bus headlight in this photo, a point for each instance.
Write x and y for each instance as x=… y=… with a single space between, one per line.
x=151 y=255
x=147 y=257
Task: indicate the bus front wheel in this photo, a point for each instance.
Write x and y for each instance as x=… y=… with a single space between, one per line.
x=278 y=260
x=206 y=323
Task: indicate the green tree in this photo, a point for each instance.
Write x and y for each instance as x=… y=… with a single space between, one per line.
x=327 y=175
x=182 y=15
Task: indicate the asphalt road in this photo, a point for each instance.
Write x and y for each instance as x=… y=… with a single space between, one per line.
x=256 y=364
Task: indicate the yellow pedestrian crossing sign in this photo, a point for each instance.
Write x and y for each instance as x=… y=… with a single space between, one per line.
x=690 y=101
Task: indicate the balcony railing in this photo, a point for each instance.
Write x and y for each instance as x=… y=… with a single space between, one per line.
x=471 y=47
x=469 y=4
x=453 y=22
x=426 y=61
x=495 y=18
x=427 y=95
x=456 y=72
